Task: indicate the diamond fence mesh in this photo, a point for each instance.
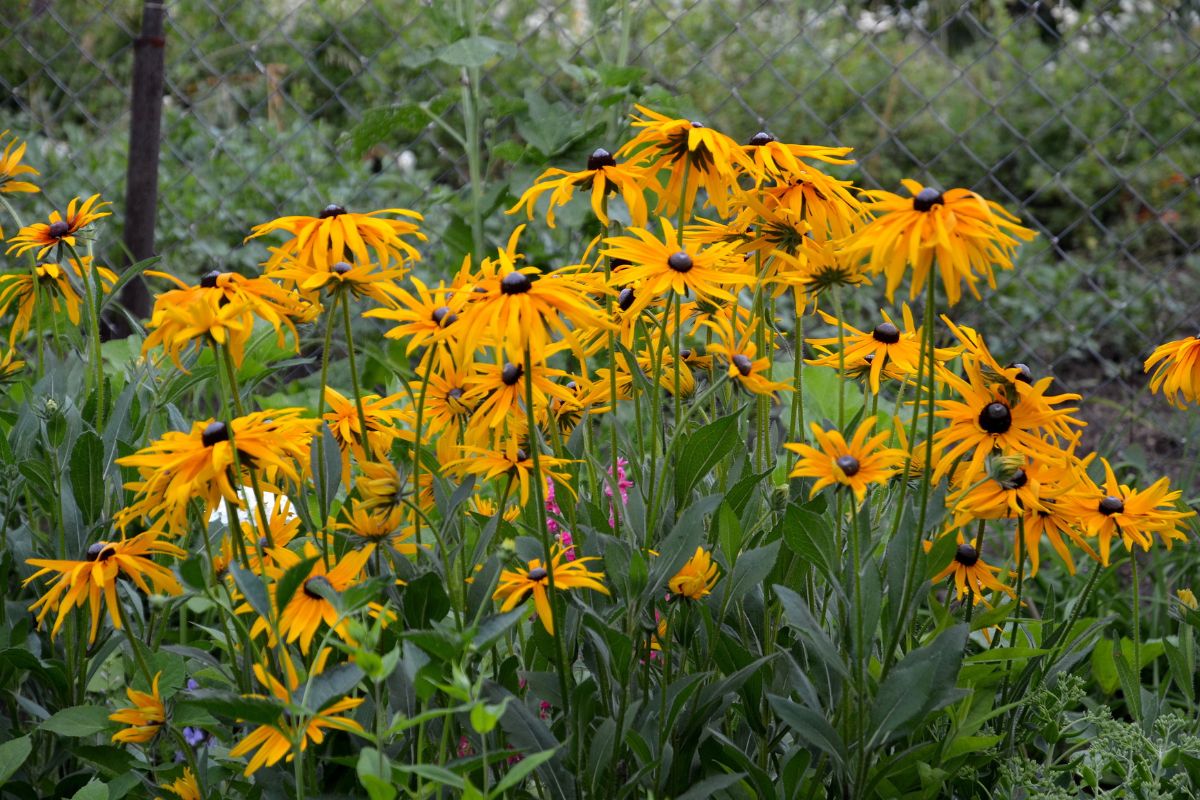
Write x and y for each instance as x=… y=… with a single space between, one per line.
x=1079 y=116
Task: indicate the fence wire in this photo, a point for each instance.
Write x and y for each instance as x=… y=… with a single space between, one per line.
x=1079 y=116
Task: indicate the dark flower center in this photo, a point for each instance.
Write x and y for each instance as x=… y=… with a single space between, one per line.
x=761 y=138
x=522 y=456
x=1111 y=505
x=209 y=279
x=58 y=229
x=455 y=393
x=100 y=551
x=743 y=363
x=1016 y=480
x=443 y=316
x=341 y=268
x=537 y=574
x=680 y=261
x=263 y=543
x=848 y=465
x=600 y=158
x=331 y=210
x=319 y=581
x=625 y=298
x=926 y=199
x=995 y=418
x=685 y=354
x=886 y=332
x=515 y=283
x=1024 y=373
x=215 y=432
x=697 y=124
x=572 y=385
x=966 y=555
x=510 y=373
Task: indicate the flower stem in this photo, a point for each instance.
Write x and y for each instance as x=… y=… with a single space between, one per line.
x=362 y=416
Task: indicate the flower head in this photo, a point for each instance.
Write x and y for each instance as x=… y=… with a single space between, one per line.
x=61 y=229
x=857 y=463
x=517 y=586
x=337 y=235
x=601 y=177
x=11 y=168
x=54 y=286
x=971 y=573
x=1176 y=368
x=144 y=717
x=696 y=578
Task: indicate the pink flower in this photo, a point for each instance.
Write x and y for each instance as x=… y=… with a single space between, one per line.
x=464 y=747
x=623 y=485
x=553 y=525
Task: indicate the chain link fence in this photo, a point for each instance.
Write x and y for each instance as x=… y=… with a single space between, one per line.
x=1080 y=116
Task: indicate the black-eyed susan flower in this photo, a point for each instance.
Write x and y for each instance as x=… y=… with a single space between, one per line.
x=508 y=459
x=703 y=157
x=422 y=317
x=966 y=235
x=740 y=351
x=61 y=229
x=488 y=508
x=337 y=235
x=446 y=406
x=1176 y=368
x=1115 y=509
x=825 y=204
x=384 y=425
x=359 y=278
x=144 y=717
x=92 y=580
x=181 y=467
x=185 y=787
x=986 y=419
x=497 y=392
x=601 y=177
x=381 y=526
x=10 y=365
x=780 y=161
x=307 y=609
x=971 y=573
x=856 y=464
x=275 y=742
x=52 y=285
x=523 y=308
x=517 y=586
x=11 y=168
x=657 y=266
x=696 y=578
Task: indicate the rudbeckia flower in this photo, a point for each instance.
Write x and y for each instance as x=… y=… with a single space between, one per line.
x=708 y=158
x=384 y=426
x=61 y=229
x=1176 y=368
x=277 y=741
x=823 y=203
x=745 y=367
x=181 y=467
x=144 y=717
x=423 y=317
x=696 y=578
x=337 y=235
x=51 y=284
x=222 y=309
x=1115 y=509
x=94 y=578
x=971 y=573
x=360 y=278
x=307 y=608
x=186 y=787
x=517 y=586
x=10 y=365
x=964 y=233
x=508 y=459
x=855 y=464
x=381 y=526
x=657 y=266
x=603 y=176
x=781 y=162
x=11 y=167
x=497 y=391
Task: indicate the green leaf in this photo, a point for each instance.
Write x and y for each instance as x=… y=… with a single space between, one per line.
x=379 y=123
x=519 y=770
x=375 y=774
x=87 y=475
x=797 y=614
x=425 y=601
x=77 y=721
x=702 y=451
x=920 y=684
x=433 y=773
x=252 y=587
x=93 y=790
x=530 y=735
x=332 y=471
x=258 y=710
x=810 y=536
x=1131 y=686
x=474 y=51
x=1182 y=673
x=751 y=569
x=811 y=728
x=710 y=786
x=12 y=755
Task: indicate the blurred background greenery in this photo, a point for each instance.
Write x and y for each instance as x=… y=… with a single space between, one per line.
x=1079 y=116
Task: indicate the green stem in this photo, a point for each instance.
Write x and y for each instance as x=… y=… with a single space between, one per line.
x=418 y=440
x=358 y=403
x=1137 y=612
x=797 y=422
x=322 y=472
x=87 y=274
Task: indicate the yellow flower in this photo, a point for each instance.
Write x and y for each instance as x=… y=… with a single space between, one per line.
x=277 y=740
x=93 y=579
x=424 y=317
x=10 y=365
x=856 y=463
x=61 y=229
x=497 y=392
x=383 y=426
x=970 y=571
x=181 y=467
x=144 y=718
x=11 y=167
x=1188 y=598
x=824 y=203
x=705 y=158
x=337 y=235
x=56 y=287
x=696 y=578
x=745 y=367
x=512 y=460
x=1116 y=509
x=603 y=176
x=361 y=278
x=1176 y=368
x=185 y=788
x=381 y=526
x=307 y=608
x=516 y=587
x=966 y=235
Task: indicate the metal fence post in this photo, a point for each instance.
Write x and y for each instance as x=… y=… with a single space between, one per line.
x=145 y=129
